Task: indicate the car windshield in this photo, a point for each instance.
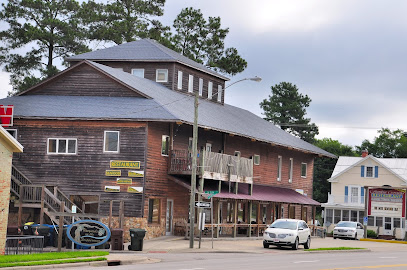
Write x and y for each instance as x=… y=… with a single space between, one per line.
x=284 y=224
x=346 y=224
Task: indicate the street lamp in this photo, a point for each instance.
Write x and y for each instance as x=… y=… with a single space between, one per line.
x=194 y=165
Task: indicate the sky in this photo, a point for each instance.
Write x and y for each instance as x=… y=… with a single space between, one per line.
x=348 y=56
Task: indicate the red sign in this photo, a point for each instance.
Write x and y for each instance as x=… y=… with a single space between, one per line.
x=387 y=202
x=6 y=115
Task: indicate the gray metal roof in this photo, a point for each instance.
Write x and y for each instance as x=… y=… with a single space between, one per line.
x=142 y=50
x=42 y=106
x=164 y=105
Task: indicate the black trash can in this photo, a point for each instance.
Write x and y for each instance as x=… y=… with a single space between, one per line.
x=44 y=230
x=27 y=230
x=137 y=238
x=116 y=239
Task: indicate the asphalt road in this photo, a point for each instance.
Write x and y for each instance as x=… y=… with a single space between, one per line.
x=272 y=260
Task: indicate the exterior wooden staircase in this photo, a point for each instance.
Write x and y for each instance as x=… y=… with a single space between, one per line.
x=50 y=199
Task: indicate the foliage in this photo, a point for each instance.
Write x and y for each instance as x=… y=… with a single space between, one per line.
x=286 y=107
x=324 y=166
x=371 y=234
x=31 y=263
x=122 y=21
x=38 y=33
x=203 y=41
x=389 y=144
x=51 y=256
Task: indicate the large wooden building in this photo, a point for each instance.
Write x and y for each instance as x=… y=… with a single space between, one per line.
x=117 y=126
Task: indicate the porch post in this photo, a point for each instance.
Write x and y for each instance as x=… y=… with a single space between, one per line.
x=235 y=219
x=314 y=210
x=250 y=204
x=42 y=204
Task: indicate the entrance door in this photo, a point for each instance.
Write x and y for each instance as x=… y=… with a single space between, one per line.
x=388 y=226
x=168 y=220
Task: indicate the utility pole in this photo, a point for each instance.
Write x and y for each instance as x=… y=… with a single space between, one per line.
x=193 y=175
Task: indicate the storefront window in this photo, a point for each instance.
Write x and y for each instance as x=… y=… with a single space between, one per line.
x=379 y=221
x=370 y=221
x=396 y=222
x=153 y=210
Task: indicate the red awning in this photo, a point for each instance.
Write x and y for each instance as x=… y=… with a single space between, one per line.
x=260 y=193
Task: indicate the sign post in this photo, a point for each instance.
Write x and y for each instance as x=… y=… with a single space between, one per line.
x=211 y=194
x=73 y=221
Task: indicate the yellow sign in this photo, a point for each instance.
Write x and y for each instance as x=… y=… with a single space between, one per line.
x=135 y=189
x=124 y=181
x=125 y=164
x=113 y=173
x=112 y=189
x=135 y=174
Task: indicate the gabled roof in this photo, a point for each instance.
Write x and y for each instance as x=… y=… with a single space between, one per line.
x=398 y=166
x=9 y=142
x=144 y=50
x=164 y=105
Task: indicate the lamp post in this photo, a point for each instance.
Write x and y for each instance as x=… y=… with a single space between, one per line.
x=194 y=162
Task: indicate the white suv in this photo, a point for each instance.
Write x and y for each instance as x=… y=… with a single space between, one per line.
x=287 y=232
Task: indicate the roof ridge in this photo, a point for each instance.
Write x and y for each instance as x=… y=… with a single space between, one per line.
x=160 y=47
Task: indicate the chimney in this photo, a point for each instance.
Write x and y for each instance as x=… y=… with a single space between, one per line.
x=365 y=153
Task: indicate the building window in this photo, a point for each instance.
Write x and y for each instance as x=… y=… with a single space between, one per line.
x=290 y=171
x=279 y=166
x=210 y=88
x=111 y=142
x=256 y=159
x=329 y=216
x=370 y=221
x=396 y=223
x=208 y=147
x=369 y=171
x=219 y=93
x=139 y=72
x=379 y=221
x=354 y=194
x=345 y=215
x=179 y=80
x=231 y=213
x=13 y=132
x=191 y=84
x=337 y=216
x=361 y=216
x=200 y=86
x=165 y=143
x=237 y=154
x=161 y=75
x=65 y=146
x=303 y=170
x=354 y=215
x=153 y=210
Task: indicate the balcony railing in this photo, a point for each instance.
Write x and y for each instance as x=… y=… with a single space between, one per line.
x=213 y=166
x=346 y=199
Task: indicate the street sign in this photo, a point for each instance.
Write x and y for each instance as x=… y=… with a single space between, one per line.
x=203 y=204
x=365 y=219
x=211 y=193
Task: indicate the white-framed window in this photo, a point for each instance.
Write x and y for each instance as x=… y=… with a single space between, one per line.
x=290 y=170
x=139 y=72
x=219 y=93
x=279 y=167
x=369 y=171
x=62 y=146
x=200 y=86
x=191 y=83
x=210 y=89
x=208 y=147
x=165 y=145
x=111 y=142
x=161 y=75
x=303 y=170
x=256 y=159
x=354 y=194
x=190 y=142
x=179 y=85
x=13 y=132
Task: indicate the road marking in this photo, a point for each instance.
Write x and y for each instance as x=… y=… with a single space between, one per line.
x=367 y=267
x=388 y=257
x=306 y=261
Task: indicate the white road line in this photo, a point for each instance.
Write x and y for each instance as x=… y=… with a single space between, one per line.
x=388 y=257
x=306 y=261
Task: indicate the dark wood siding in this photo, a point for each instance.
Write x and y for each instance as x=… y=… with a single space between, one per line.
x=84 y=81
x=83 y=173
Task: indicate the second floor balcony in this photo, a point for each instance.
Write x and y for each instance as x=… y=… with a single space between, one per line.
x=346 y=199
x=212 y=166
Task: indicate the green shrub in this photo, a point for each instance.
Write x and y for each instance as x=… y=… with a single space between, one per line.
x=371 y=234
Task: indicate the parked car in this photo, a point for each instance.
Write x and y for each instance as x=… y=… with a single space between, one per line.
x=287 y=232
x=348 y=229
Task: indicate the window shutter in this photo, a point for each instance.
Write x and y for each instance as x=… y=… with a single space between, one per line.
x=346 y=194
x=362 y=171
x=362 y=195
x=376 y=171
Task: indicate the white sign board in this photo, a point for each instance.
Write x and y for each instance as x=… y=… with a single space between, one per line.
x=203 y=204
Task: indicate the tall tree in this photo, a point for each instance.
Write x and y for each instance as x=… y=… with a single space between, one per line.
x=389 y=144
x=323 y=166
x=122 y=21
x=203 y=41
x=38 y=33
x=286 y=107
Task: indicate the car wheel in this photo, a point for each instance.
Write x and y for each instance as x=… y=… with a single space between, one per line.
x=295 y=245
x=265 y=245
x=307 y=244
x=334 y=237
x=356 y=236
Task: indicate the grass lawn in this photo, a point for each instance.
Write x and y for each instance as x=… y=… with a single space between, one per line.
x=333 y=248
x=52 y=258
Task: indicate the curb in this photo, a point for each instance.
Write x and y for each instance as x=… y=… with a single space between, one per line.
x=62 y=265
x=338 y=251
x=383 y=241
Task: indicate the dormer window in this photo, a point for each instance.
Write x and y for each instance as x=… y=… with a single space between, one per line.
x=191 y=84
x=179 y=80
x=219 y=93
x=139 y=72
x=210 y=87
x=369 y=171
x=161 y=75
x=200 y=86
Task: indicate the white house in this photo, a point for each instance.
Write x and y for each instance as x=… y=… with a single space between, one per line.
x=346 y=202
